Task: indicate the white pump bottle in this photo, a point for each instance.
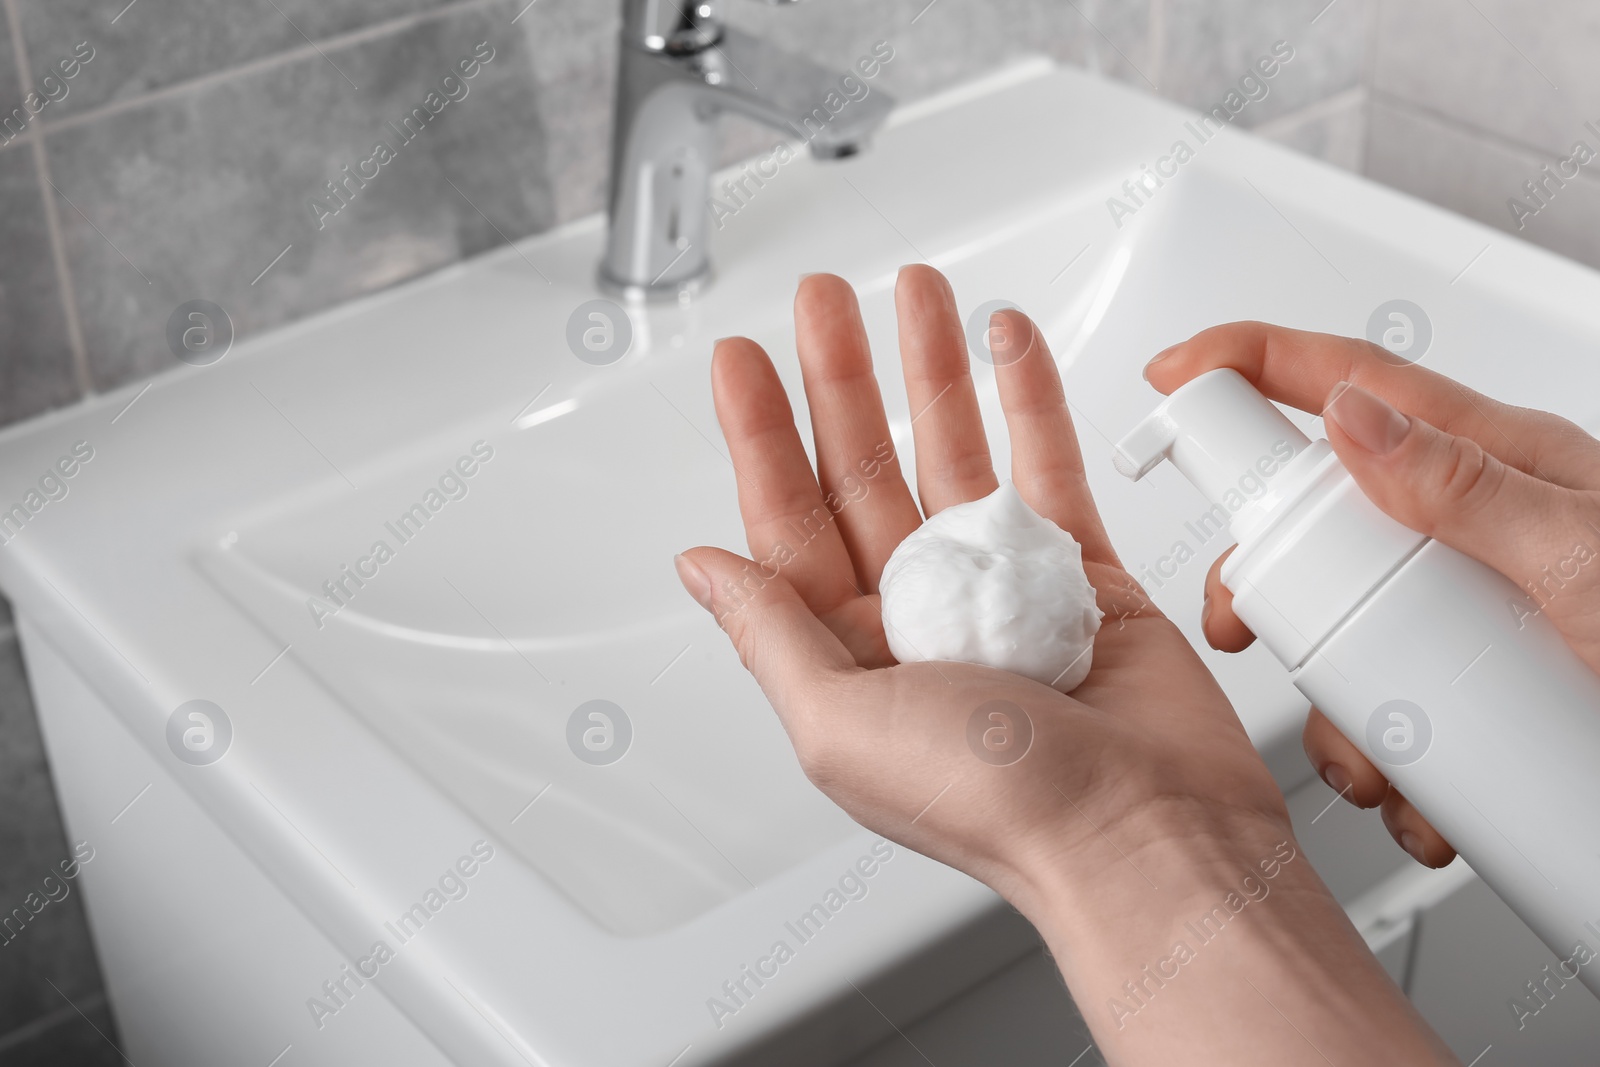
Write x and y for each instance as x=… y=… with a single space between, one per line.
x=1441 y=670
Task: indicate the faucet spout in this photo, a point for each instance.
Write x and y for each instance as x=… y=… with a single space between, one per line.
x=835 y=114
x=664 y=145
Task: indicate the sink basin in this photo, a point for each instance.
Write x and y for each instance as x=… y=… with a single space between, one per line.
x=380 y=727
x=472 y=647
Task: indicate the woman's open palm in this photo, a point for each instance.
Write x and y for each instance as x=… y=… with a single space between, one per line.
x=895 y=744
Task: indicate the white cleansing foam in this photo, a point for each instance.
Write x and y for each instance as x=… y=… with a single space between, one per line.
x=992 y=581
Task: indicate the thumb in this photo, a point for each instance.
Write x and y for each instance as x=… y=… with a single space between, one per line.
x=1449 y=488
x=778 y=637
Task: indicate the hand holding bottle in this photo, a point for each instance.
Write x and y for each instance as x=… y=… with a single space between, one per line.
x=1515 y=488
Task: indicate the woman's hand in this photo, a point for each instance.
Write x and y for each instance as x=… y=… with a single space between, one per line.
x=1515 y=488
x=1146 y=748
x=1139 y=807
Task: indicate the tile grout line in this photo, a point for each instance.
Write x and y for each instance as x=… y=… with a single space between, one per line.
x=1324 y=108
x=1415 y=109
x=21 y=140
x=348 y=39
x=1156 y=42
x=1369 y=78
x=52 y=219
x=1372 y=33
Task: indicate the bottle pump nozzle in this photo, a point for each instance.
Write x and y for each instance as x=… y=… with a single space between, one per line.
x=1221 y=434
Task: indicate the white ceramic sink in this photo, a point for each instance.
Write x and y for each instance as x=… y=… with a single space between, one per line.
x=433 y=709
x=547 y=585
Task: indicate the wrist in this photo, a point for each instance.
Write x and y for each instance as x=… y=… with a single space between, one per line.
x=1161 y=859
x=1195 y=931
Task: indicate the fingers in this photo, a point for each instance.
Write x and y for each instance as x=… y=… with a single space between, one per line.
x=780 y=640
x=856 y=463
x=1300 y=369
x=1451 y=488
x=1355 y=778
x=1222 y=628
x=953 y=462
x=786 y=521
x=1414 y=833
x=1341 y=764
x=1046 y=464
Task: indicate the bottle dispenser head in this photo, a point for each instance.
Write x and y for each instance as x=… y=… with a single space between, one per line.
x=1222 y=435
x=1215 y=429
x=1311 y=545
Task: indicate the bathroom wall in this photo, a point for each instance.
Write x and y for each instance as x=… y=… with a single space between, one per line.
x=180 y=162
x=1467 y=102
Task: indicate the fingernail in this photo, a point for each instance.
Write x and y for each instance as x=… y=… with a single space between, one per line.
x=1338 y=780
x=1369 y=421
x=694 y=580
x=1004 y=343
x=1205 y=614
x=1413 y=846
x=999 y=337
x=1157 y=358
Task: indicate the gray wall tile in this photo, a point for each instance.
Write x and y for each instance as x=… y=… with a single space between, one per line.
x=53 y=945
x=576 y=112
x=936 y=44
x=1207 y=46
x=248 y=155
x=1476 y=175
x=947 y=40
x=10 y=83
x=574 y=48
x=35 y=359
x=158 y=43
x=1526 y=72
x=567 y=36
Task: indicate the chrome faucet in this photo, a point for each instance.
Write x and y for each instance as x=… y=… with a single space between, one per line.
x=678 y=68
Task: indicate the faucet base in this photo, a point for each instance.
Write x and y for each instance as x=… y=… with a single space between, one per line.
x=676 y=290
